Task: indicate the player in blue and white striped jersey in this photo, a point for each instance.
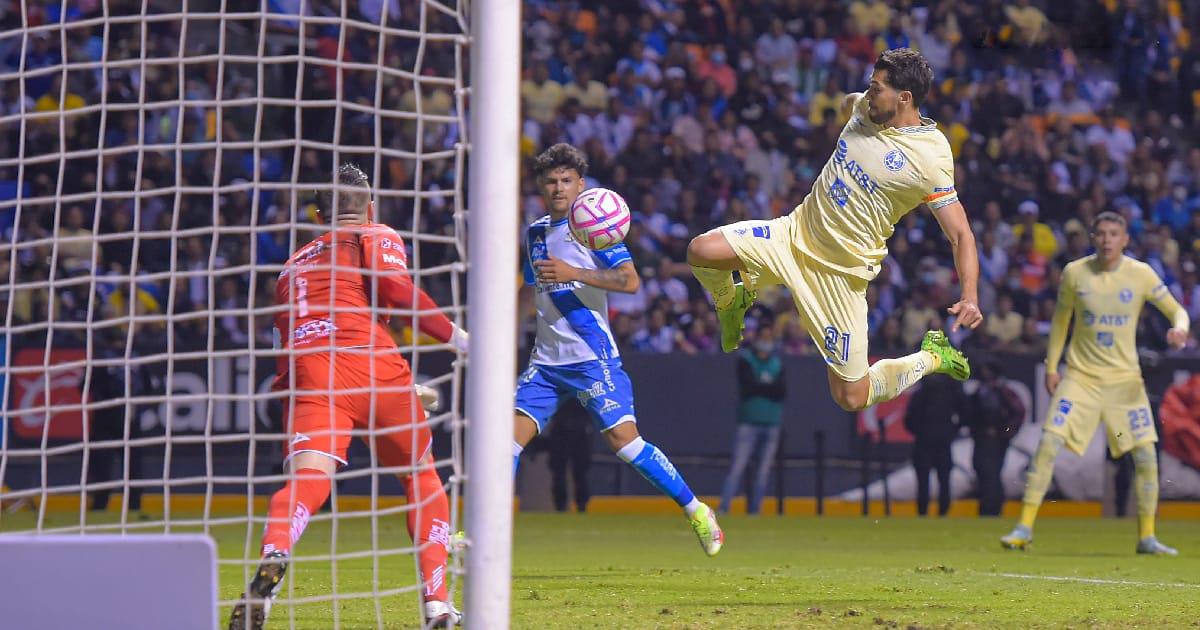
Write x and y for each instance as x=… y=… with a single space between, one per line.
x=575 y=355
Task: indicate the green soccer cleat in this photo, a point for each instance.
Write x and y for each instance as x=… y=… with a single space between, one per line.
x=1020 y=539
x=1150 y=545
x=951 y=361
x=732 y=318
x=704 y=523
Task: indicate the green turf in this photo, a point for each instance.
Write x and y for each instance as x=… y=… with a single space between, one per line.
x=602 y=571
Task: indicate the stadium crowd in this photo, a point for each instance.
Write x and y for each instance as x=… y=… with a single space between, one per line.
x=700 y=113
x=197 y=166
x=708 y=112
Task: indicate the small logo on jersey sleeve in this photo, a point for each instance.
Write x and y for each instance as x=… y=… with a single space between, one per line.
x=761 y=231
x=1126 y=296
x=894 y=160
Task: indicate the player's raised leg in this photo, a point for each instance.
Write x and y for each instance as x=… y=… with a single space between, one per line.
x=888 y=378
x=713 y=261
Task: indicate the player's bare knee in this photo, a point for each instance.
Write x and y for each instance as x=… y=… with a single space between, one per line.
x=311 y=460
x=620 y=435
x=700 y=249
x=849 y=399
x=849 y=395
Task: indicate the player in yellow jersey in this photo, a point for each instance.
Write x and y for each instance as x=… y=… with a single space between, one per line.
x=889 y=160
x=1103 y=381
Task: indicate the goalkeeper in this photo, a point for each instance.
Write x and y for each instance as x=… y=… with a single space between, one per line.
x=1103 y=382
x=343 y=371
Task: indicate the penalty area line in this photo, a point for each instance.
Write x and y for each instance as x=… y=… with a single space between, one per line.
x=1081 y=580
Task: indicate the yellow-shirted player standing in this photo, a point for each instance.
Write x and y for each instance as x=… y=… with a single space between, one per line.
x=1103 y=381
x=888 y=161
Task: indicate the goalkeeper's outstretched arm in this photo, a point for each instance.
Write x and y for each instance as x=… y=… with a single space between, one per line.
x=397 y=291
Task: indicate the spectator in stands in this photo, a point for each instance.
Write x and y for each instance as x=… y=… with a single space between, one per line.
x=761 y=391
x=1030 y=25
x=540 y=96
x=1004 y=326
x=994 y=414
x=569 y=443
x=932 y=417
x=1044 y=241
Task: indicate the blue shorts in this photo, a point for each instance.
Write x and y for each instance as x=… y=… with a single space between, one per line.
x=602 y=387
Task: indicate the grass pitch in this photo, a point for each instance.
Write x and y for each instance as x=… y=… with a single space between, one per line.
x=607 y=571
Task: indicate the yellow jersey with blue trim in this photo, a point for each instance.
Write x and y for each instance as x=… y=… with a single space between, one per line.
x=1105 y=306
x=876 y=176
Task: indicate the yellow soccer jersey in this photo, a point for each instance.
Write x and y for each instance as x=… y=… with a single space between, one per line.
x=875 y=176
x=1106 y=305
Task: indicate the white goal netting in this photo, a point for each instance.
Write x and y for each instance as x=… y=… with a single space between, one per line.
x=158 y=164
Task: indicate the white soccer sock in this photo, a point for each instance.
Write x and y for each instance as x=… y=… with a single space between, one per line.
x=890 y=377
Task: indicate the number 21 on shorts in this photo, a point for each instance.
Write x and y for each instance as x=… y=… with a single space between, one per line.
x=837 y=343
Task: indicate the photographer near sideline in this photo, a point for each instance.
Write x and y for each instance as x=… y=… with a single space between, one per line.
x=995 y=413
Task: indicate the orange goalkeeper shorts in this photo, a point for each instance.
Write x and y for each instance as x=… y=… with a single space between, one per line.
x=337 y=395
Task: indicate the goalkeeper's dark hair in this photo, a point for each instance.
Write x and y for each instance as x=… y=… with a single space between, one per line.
x=1110 y=217
x=352 y=195
x=560 y=155
x=907 y=70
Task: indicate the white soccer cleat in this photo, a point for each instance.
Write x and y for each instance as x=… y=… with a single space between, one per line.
x=704 y=523
x=440 y=614
x=1020 y=538
x=1150 y=545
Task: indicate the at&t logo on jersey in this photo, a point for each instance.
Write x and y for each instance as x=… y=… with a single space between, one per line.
x=853 y=169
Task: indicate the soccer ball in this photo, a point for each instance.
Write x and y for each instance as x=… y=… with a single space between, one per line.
x=599 y=218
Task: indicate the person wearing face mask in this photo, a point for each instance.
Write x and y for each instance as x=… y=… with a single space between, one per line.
x=761 y=391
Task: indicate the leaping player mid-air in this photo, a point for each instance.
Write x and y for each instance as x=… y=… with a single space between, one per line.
x=574 y=355
x=889 y=159
x=343 y=371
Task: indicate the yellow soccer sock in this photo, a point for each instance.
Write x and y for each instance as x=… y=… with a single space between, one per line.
x=719 y=283
x=1145 y=525
x=1145 y=487
x=1037 y=479
x=889 y=377
x=1029 y=514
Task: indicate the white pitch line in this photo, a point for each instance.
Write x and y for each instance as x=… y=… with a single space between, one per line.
x=1059 y=578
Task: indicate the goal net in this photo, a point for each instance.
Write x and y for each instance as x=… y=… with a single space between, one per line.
x=159 y=162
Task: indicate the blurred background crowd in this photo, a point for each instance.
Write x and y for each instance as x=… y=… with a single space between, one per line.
x=180 y=148
x=700 y=113
x=707 y=112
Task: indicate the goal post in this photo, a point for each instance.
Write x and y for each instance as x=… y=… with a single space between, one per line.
x=492 y=305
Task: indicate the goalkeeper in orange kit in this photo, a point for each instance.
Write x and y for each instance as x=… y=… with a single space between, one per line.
x=343 y=372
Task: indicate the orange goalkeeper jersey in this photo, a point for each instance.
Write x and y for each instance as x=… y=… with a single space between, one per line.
x=327 y=285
